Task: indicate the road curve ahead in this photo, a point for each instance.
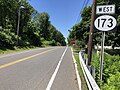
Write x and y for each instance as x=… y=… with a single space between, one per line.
x=39 y=69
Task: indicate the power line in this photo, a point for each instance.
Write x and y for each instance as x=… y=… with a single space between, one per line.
x=84 y=5
x=80 y=12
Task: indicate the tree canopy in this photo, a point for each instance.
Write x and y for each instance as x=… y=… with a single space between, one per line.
x=35 y=28
x=80 y=31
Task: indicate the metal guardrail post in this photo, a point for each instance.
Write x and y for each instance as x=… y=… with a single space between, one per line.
x=92 y=85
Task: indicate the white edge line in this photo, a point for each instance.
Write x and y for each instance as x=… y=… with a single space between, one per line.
x=55 y=72
x=77 y=73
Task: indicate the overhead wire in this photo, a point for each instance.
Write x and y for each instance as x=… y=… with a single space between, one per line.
x=85 y=3
x=80 y=11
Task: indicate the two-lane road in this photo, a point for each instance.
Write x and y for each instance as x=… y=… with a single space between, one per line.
x=39 y=69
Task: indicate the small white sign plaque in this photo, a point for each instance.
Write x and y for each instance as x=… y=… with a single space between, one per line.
x=105 y=9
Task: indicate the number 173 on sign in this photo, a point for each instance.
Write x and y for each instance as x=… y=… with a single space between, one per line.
x=105 y=23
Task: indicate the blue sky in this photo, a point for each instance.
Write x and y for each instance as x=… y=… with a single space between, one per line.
x=63 y=13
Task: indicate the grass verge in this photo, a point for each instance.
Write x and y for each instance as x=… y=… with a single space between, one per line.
x=83 y=82
x=7 y=51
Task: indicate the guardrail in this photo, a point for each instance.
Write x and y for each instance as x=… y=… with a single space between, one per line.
x=92 y=85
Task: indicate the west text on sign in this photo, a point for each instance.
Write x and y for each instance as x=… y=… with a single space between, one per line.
x=105 y=9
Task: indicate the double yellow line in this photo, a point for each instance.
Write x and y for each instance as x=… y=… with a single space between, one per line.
x=23 y=59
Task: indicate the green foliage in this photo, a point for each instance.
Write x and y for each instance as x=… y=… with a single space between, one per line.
x=111 y=71
x=111 y=65
x=113 y=37
x=47 y=30
x=6 y=38
x=46 y=43
x=83 y=82
x=113 y=83
x=80 y=44
x=86 y=14
x=96 y=63
x=80 y=31
x=42 y=21
x=53 y=43
x=33 y=27
x=58 y=44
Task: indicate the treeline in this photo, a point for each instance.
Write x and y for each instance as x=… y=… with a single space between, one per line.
x=35 y=29
x=80 y=32
x=79 y=35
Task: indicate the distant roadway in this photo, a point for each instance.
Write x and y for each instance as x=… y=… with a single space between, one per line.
x=39 y=69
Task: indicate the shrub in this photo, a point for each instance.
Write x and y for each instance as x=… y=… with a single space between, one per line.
x=111 y=71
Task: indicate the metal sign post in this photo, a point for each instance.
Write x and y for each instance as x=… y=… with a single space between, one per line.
x=102 y=56
x=105 y=22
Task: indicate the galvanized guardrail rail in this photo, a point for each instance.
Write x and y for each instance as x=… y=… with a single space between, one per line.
x=92 y=85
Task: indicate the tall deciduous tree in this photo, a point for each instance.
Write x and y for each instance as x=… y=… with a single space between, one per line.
x=81 y=30
x=42 y=21
x=33 y=26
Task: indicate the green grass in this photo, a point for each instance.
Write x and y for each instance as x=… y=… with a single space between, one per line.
x=76 y=50
x=83 y=82
x=7 y=51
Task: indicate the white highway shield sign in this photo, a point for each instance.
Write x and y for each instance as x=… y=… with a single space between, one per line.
x=105 y=23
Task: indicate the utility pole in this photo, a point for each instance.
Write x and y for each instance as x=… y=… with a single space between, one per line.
x=91 y=32
x=18 y=25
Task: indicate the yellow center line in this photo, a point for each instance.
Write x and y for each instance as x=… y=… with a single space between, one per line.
x=23 y=59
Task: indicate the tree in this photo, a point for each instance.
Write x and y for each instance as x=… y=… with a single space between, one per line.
x=9 y=16
x=57 y=35
x=112 y=38
x=42 y=21
x=47 y=30
x=80 y=31
x=33 y=28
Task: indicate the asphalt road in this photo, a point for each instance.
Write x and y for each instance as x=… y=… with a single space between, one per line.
x=39 y=69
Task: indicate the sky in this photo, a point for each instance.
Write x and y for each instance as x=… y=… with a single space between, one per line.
x=63 y=13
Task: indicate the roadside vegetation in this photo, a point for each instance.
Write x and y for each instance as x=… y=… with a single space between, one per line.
x=111 y=71
x=7 y=51
x=78 y=37
x=83 y=82
x=35 y=29
x=79 y=33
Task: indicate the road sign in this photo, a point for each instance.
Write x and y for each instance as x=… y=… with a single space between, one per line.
x=105 y=23
x=105 y=9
